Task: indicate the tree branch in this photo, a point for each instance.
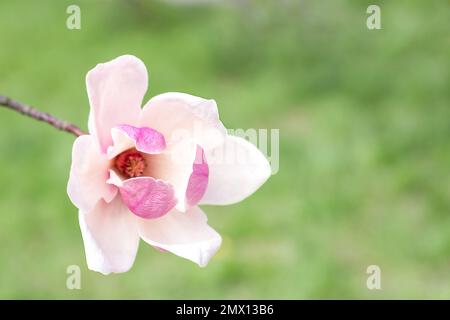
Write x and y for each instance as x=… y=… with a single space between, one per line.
x=41 y=116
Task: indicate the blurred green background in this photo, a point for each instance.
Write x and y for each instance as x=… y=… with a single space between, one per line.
x=364 y=144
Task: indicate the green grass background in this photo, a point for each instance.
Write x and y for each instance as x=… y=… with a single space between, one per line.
x=364 y=144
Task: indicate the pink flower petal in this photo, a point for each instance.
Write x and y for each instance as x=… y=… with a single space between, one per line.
x=185 y=234
x=198 y=181
x=146 y=139
x=115 y=89
x=236 y=170
x=147 y=197
x=182 y=116
x=110 y=237
x=88 y=175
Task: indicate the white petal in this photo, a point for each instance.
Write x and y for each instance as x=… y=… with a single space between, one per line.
x=115 y=89
x=88 y=175
x=110 y=236
x=236 y=170
x=181 y=116
x=185 y=234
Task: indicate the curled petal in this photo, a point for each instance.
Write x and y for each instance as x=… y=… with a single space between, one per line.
x=146 y=197
x=144 y=139
x=198 y=180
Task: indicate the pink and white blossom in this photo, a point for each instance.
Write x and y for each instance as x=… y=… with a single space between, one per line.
x=141 y=173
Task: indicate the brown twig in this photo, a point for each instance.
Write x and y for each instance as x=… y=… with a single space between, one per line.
x=41 y=116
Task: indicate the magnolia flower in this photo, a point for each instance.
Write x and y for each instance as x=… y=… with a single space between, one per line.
x=141 y=173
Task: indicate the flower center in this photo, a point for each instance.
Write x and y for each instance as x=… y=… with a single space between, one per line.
x=130 y=163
